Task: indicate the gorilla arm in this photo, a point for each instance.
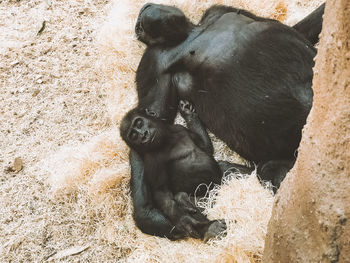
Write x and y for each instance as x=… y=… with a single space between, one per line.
x=154 y=87
x=149 y=219
x=216 y=11
x=161 y=101
x=198 y=132
x=310 y=27
x=179 y=214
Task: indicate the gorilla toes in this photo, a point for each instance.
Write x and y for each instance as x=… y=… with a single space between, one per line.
x=189 y=225
x=186 y=108
x=176 y=234
x=216 y=228
x=183 y=200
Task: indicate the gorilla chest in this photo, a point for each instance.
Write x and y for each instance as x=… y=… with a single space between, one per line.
x=190 y=167
x=187 y=158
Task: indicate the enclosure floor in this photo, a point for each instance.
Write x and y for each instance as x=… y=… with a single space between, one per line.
x=54 y=95
x=51 y=95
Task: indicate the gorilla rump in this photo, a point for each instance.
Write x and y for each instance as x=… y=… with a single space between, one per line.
x=248 y=77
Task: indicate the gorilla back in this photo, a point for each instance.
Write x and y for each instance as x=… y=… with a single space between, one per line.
x=249 y=79
x=260 y=73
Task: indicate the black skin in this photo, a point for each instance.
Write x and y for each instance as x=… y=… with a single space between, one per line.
x=248 y=77
x=176 y=161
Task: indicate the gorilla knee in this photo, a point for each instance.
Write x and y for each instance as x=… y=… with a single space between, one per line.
x=227 y=167
x=181 y=196
x=275 y=171
x=215 y=229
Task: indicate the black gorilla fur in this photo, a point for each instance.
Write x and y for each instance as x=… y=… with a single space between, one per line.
x=248 y=77
x=176 y=161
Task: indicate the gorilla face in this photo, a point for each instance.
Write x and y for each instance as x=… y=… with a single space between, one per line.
x=159 y=24
x=142 y=133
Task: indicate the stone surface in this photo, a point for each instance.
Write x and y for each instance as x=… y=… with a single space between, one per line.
x=311 y=216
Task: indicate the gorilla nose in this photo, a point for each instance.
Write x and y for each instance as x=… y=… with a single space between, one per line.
x=145 y=137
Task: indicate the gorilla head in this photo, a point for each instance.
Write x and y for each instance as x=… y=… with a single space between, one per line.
x=142 y=132
x=160 y=24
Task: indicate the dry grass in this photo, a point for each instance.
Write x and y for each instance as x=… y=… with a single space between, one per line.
x=59 y=92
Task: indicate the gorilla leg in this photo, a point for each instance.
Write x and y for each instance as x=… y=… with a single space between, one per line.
x=149 y=219
x=205 y=228
x=232 y=167
x=310 y=27
x=275 y=171
x=194 y=124
x=180 y=215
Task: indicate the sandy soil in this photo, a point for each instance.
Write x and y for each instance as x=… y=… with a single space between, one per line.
x=51 y=95
x=56 y=95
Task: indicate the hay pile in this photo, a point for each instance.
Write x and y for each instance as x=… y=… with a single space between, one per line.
x=85 y=204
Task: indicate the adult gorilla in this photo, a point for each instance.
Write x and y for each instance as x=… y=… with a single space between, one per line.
x=248 y=77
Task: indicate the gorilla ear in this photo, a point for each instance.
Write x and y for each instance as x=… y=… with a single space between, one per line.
x=124 y=127
x=126 y=123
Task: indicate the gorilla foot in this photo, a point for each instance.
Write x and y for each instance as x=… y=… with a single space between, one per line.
x=190 y=226
x=216 y=228
x=240 y=170
x=184 y=201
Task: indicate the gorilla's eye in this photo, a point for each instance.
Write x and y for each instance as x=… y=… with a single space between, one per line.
x=133 y=136
x=138 y=123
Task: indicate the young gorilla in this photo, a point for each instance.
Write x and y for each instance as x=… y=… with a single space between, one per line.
x=176 y=161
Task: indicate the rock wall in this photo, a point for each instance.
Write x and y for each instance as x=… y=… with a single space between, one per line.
x=311 y=216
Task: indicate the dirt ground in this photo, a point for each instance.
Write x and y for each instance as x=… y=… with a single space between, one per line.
x=56 y=97
x=51 y=95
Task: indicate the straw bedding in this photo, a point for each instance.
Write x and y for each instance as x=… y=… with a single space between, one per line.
x=71 y=201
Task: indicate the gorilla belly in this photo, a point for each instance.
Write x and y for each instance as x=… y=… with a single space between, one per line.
x=192 y=170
